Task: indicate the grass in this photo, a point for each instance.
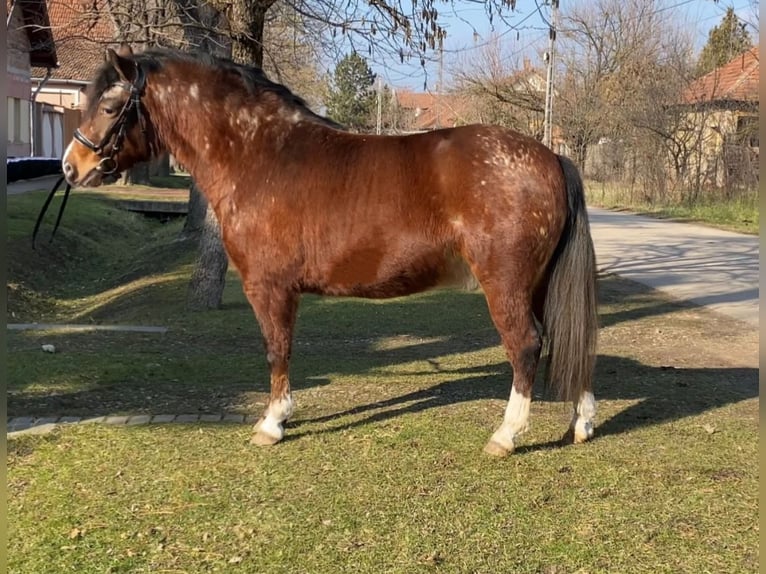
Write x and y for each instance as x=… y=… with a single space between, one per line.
x=382 y=469
x=98 y=252
x=740 y=214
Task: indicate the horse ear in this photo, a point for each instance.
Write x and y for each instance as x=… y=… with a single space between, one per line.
x=122 y=64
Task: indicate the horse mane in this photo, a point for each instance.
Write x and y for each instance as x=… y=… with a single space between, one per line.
x=253 y=79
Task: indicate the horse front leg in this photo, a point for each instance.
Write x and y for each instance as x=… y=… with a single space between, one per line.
x=275 y=309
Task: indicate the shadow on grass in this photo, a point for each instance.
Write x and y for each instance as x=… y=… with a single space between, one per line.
x=211 y=361
x=662 y=394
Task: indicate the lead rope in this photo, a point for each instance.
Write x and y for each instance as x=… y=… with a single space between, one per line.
x=45 y=208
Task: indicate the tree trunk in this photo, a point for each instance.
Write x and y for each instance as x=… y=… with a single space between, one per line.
x=195 y=217
x=137 y=175
x=160 y=166
x=208 y=279
x=247 y=47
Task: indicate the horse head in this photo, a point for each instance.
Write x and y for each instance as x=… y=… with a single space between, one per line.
x=114 y=133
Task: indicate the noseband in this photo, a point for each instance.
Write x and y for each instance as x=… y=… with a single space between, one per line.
x=116 y=132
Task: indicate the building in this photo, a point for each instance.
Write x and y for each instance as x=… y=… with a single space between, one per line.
x=81 y=33
x=30 y=44
x=721 y=108
x=423 y=111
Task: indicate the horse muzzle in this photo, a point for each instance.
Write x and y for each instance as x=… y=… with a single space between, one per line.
x=106 y=171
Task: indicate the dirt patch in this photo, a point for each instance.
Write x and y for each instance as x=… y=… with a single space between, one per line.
x=671 y=333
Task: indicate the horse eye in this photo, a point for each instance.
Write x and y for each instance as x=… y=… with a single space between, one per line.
x=106 y=110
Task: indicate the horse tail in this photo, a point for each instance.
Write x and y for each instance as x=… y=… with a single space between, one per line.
x=570 y=319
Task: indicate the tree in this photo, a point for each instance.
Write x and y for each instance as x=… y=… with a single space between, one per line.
x=610 y=51
x=352 y=100
x=727 y=40
x=503 y=91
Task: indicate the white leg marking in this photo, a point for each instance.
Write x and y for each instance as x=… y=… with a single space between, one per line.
x=516 y=420
x=582 y=422
x=277 y=412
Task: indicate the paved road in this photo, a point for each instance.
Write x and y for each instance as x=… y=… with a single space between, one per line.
x=25 y=185
x=713 y=268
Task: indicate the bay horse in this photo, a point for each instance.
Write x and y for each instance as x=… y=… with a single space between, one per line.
x=305 y=206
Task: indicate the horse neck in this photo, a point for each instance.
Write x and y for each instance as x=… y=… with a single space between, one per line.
x=213 y=139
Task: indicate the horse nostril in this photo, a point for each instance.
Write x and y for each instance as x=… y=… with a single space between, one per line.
x=68 y=170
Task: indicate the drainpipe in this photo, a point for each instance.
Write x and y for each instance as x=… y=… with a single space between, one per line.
x=48 y=74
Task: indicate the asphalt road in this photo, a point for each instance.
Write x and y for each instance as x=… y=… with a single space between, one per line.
x=709 y=267
x=25 y=185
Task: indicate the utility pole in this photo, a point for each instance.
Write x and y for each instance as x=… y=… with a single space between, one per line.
x=550 y=57
x=379 y=123
x=437 y=103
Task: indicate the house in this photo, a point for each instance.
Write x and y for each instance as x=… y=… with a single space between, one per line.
x=722 y=111
x=423 y=111
x=30 y=43
x=516 y=101
x=82 y=33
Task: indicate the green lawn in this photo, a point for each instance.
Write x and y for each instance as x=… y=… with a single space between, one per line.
x=382 y=468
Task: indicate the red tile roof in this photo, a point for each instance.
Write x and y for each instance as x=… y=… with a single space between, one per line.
x=450 y=109
x=81 y=30
x=737 y=80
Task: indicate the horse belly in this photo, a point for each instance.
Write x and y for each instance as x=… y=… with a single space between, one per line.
x=374 y=274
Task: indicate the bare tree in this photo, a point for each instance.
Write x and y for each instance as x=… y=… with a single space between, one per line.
x=505 y=88
x=619 y=59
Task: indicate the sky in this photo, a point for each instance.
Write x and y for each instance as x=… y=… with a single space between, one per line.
x=524 y=33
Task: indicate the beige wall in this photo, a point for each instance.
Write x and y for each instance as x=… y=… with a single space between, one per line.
x=713 y=129
x=19 y=86
x=65 y=96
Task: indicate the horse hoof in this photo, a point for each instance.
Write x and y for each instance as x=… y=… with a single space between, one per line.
x=493 y=448
x=581 y=437
x=263 y=439
x=573 y=436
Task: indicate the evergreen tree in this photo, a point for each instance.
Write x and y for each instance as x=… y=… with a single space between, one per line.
x=725 y=41
x=352 y=99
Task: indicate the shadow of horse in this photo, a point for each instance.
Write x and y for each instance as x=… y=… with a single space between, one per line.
x=355 y=330
x=663 y=394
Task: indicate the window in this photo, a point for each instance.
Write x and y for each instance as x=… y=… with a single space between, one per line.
x=11 y=119
x=747 y=130
x=18 y=120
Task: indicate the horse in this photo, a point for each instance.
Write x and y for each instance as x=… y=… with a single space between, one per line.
x=306 y=206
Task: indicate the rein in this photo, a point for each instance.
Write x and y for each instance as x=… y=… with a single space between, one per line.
x=45 y=208
x=114 y=135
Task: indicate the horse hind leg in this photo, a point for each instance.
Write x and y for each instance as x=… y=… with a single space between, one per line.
x=513 y=317
x=581 y=427
x=275 y=311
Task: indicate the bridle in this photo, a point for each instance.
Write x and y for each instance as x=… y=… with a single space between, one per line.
x=115 y=135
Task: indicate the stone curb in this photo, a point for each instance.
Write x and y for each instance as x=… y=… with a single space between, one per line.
x=79 y=328
x=42 y=425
